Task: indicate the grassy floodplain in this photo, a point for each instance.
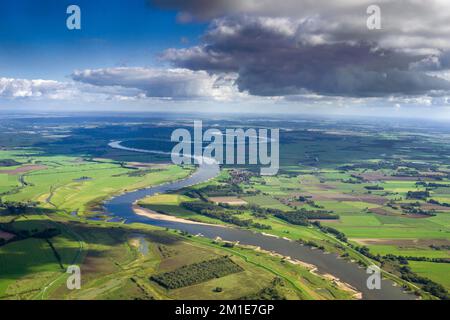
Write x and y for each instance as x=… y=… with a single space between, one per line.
x=389 y=208
x=370 y=195
x=118 y=260
x=72 y=184
x=59 y=187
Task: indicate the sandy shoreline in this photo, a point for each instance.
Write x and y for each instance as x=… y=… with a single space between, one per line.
x=159 y=216
x=313 y=269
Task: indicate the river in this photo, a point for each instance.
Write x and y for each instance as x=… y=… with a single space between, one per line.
x=348 y=272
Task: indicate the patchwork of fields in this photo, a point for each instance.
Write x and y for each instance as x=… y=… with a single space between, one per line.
x=370 y=196
x=51 y=218
x=367 y=218
x=395 y=206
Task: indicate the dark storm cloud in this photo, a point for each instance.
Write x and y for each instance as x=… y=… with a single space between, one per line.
x=209 y=9
x=198 y=9
x=282 y=56
x=405 y=23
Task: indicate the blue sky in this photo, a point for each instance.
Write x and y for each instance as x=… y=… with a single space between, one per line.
x=35 y=43
x=227 y=55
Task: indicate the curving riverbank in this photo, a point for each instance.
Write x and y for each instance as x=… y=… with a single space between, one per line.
x=326 y=264
x=159 y=216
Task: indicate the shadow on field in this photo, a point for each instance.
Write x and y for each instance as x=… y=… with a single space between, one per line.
x=104 y=248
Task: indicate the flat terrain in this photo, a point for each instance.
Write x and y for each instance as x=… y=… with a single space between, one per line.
x=371 y=194
x=61 y=224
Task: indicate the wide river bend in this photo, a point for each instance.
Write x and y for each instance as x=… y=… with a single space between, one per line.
x=348 y=272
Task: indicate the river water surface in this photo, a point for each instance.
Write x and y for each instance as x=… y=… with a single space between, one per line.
x=351 y=273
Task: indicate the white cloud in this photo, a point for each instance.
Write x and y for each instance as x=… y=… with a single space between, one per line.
x=126 y=84
x=24 y=88
x=176 y=83
x=39 y=89
x=296 y=52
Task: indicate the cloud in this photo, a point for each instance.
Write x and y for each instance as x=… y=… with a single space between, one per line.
x=175 y=83
x=39 y=89
x=405 y=23
x=24 y=88
x=283 y=56
x=415 y=24
x=126 y=84
x=317 y=52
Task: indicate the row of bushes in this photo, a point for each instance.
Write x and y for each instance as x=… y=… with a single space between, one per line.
x=338 y=234
x=301 y=217
x=401 y=265
x=432 y=287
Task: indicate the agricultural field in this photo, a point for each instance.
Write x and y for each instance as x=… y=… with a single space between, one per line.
x=118 y=261
x=382 y=207
x=385 y=221
x=368 y=196
x=76 y=185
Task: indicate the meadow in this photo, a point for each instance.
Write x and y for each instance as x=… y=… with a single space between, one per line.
x=371 y=195
x=117 y=260
x=378 y=200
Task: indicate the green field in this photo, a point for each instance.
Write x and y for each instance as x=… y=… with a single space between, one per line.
x=61 y=184
x=434 y=271
x=118 y=260
x=368 y=195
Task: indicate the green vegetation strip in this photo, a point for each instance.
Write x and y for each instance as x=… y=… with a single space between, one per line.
x=197 y=273
x=246 y=259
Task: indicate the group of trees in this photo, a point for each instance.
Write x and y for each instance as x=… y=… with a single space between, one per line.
x=229 y=186
x=374 y=188
x=440 y=247
x=432 y=185
x=196 y=273
x=403 y=168
x=414 y=208
x=339 y=235
x=240 y=176
x=222 y=190
x=372 y=165
x=296 y=217
x=311 y=244
x=419 y=195
x=227 y=213
x=268 y=293
x=310 y=202
x=432 y=201
x=9 y=163
x=214 y=211
x=400 y=264
x=261 y=212
x=406 y=172
x=215 y=191
x=301 y=217
x=426 y=259
x=14 y=208
x=428 y=285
